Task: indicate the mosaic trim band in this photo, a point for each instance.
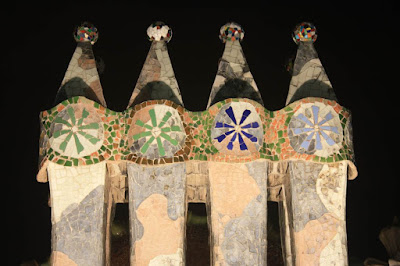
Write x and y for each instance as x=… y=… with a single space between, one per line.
x=79 y=131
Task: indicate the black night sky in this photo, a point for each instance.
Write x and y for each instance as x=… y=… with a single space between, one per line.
x=355 y=45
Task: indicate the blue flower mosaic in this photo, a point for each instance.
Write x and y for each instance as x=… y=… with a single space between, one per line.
x=311 y=131
x=237 y=131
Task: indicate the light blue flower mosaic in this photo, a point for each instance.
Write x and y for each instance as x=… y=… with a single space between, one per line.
x=311 y=130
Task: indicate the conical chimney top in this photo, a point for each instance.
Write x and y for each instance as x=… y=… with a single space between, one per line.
x=233 y=79
x=157 y=78
x=309 y=78
x=81 y=77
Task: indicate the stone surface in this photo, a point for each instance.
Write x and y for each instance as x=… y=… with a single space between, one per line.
x=81 y=78
x=157 y=68
x=317 y=208
x=233 y=79
x=316 y=235
x=170 y=260
x=196 y=181
x=238 y=213
x=307 y=205
x=78 y=213
x=162 y=238
x=118 y=182
x=59 y=258
x=157 y=201
x=309 y=78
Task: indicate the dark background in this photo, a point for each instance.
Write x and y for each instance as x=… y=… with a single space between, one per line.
x=355 y=45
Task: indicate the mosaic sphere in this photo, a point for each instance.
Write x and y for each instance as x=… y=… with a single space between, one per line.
x=304 y=32
x=158 y=31
x=86 y=32
x=231 y=31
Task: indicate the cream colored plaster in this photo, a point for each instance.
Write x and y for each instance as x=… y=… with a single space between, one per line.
x=315 y=236
x=70 y=185
x=170 y=260
x=162 y=236
x=331 y=189
x=60 y=259
x=231 y=187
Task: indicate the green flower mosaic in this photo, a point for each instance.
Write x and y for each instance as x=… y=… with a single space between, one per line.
x=72 y=129
x=157 y=132
x=79 y=131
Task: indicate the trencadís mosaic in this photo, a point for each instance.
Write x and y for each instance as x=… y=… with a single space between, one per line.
x=79 y=131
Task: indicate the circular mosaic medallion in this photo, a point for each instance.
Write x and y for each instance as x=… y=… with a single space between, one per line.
x=315 y=128
x=237 y=129
x=157 y=131
x=76 y=131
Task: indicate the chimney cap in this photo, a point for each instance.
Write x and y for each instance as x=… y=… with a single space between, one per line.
x=231 y=31
x=304 y=32
x=86 y=32
x=159 y=31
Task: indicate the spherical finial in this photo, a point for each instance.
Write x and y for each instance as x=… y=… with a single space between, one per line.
x=158 y=31
x=304 y=32
x=231 y=31
x=86 y=32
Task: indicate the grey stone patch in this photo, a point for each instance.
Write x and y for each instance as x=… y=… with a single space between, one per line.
x=306 y=204
x=258 y=170
x=245 y=237
x=167 y=180
x=305 y=53
x=80 y=233
x=225 y=70
x=136 y=227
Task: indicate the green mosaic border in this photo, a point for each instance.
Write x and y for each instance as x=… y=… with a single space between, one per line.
x=199 y=126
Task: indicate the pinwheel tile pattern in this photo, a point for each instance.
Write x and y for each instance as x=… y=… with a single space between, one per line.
x=161 y=135
x=237 y=127
x=76 y=133
x=316 y=129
